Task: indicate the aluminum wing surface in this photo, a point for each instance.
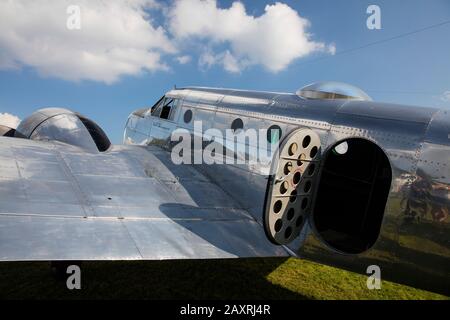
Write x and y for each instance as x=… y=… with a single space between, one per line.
x=58 y=202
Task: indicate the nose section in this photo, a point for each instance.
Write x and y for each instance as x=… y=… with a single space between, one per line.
x=137 y=126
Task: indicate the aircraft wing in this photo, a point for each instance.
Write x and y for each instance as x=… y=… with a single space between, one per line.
x=58 y=202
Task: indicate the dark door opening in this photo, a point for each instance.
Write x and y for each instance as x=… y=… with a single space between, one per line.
x=351 y=195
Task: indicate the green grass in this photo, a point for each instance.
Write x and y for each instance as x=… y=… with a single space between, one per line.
x=270 y=278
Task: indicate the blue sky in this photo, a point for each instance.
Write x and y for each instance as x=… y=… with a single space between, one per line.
x=413 y=69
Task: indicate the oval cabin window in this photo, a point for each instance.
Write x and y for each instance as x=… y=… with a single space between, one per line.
x=188 y=116
x=237 y=124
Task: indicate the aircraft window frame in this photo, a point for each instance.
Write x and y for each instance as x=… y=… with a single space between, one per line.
x=157 y=106
x=173 y=110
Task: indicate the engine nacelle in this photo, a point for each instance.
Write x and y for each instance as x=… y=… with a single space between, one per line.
x=66 y=126
x=6 y=131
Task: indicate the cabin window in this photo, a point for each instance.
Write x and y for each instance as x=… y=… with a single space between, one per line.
x=351 y=196
x=274 y=134
x=187 y=116
x=237 y=124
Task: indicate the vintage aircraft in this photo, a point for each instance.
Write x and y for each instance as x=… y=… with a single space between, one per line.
x=352 y=183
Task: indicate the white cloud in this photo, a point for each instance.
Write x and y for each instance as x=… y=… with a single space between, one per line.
x=226 y=59
x=119 y=37
x=183 y=59
x=207 y=59
x=273 y=39
x=331 y=48
x=116 y=38
x=446 y=96
x=9 y=120
x=230 y=63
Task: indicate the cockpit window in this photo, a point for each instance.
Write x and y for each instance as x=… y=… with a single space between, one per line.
x=156 y=109
x=165 y=108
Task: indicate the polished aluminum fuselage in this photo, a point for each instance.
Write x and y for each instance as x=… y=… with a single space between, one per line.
x=413 y=245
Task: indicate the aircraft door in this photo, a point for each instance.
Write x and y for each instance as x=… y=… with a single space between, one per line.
x=289 y=195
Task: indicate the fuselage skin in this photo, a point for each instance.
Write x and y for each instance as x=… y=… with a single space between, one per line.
x=412 y=246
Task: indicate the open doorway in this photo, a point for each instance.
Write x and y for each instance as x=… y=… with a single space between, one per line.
x=351 y=196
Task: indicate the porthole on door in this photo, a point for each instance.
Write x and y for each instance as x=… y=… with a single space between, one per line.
x=351 y=196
